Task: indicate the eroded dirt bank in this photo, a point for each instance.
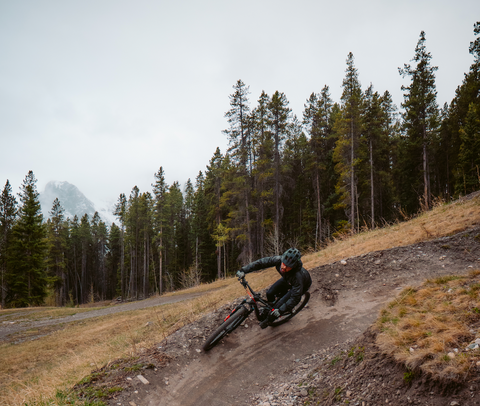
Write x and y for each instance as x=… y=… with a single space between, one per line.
x=254 y=366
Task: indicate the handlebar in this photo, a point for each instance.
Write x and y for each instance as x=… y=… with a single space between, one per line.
x=246 y=285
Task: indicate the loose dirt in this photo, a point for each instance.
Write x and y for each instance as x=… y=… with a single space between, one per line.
x=303 y=361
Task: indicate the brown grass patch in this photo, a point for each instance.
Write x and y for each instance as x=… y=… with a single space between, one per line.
x=422 y=326
x=443 y=220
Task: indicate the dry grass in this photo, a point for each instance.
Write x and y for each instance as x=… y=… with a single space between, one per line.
x=423 y=326
x=443 y=220
x=33 y=371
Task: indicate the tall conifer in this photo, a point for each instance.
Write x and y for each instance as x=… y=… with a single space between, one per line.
x=28 y=278
x=8 y=214
x=420 y=118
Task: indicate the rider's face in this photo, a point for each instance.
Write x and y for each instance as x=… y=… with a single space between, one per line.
x=284 y=268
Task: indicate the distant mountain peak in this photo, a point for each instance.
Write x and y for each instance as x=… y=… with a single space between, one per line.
x=73 y=201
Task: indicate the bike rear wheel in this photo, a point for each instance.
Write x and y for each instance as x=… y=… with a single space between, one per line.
x=287 y=316
x=225 y=328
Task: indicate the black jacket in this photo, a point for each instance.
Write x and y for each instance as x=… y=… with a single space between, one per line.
x=298 y=277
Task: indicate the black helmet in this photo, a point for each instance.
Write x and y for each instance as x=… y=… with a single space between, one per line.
x=291 y=256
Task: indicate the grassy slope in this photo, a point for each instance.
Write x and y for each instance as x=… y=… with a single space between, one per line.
x=34 y=370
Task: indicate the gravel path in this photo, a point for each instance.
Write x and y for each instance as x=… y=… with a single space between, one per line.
x=8 y=329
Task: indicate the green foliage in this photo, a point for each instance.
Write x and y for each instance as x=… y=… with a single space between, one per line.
x=26 y=273
x=408 y=377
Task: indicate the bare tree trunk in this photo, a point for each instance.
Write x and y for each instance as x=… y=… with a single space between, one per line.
x=84 y=272
x=219 y=262
x=145 y=264
x=122 y=263
x=371 y=184
x=319 y=210
x=160 y=260
x=249 y=229
x=426 y=177
x=352 y=177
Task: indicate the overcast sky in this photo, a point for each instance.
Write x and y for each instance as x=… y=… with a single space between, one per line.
x=102 y=93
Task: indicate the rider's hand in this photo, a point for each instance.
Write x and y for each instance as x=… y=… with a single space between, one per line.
x=275 y=313
x=240 y=274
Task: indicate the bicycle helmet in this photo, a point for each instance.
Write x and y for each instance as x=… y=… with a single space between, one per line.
x=290 y=257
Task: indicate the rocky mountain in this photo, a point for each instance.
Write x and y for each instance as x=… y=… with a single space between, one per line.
x=73 y=201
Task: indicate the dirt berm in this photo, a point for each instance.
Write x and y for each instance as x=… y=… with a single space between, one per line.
x=287 y=365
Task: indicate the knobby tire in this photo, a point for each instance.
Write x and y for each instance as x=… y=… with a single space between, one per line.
x=286 y=317
x=225 y=328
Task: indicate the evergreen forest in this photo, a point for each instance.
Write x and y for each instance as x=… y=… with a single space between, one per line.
x=343 y=167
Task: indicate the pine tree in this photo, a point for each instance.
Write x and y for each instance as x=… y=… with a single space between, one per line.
x=27 y=275
x=174 y=244
x=263 y=172
x=8 y=214
x=420 y=118
x=121 y=213
x=202 y=245
x=298 y=201
x=146 y=212
x=99 y=247
x=279 y=115
x=75 y=260
x=213 y=192
x=455 y=118
x=86 y=263
x=373 y=129
x=240 y=149
x=57 y=246
x=348 y=127
x=159 y=218
x=113 y=258
x=316 y=119
x=468 y=176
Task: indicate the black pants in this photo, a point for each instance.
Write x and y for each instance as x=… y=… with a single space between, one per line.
x=279 y=290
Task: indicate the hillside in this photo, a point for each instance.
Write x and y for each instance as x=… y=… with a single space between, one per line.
x=327 y=354
x=254 y=366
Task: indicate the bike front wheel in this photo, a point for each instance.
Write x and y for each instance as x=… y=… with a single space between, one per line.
x=287 y=316
x=225 y=328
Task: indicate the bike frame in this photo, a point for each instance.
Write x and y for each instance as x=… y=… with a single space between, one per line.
x=252 y=302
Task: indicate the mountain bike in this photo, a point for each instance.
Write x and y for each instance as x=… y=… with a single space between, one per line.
x=254 y=303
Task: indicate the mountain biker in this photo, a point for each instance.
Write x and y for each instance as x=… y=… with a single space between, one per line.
x=295 y=281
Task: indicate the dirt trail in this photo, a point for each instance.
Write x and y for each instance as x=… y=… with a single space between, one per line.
x=252 y=361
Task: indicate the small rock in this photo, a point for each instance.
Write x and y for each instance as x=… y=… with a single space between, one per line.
x=198 y=350
x=303 y=392
x=454 y=403
x=343 y=262
x=142 y=379
x=411 y=350
x=451 y=355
